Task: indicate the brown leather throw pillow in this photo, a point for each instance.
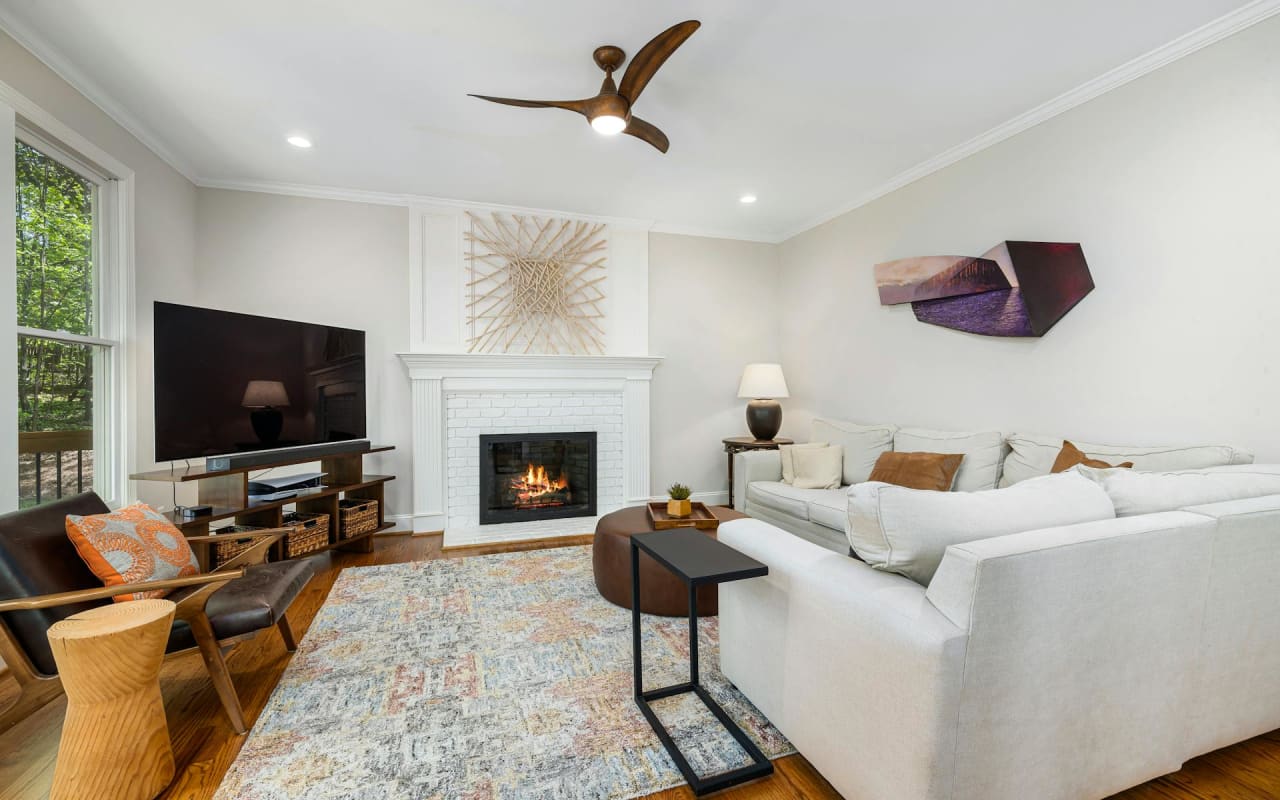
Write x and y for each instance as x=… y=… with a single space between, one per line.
x=1070 y=455
x=936 y=471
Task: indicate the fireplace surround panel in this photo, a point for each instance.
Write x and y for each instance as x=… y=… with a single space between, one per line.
x=536 y=476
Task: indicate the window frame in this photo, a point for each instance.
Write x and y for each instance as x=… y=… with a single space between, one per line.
x=114 y=322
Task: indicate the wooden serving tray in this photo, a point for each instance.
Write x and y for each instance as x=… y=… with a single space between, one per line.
x=699 y=517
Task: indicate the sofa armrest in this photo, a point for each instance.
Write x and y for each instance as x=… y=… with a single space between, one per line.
x=753 y=465
x=854 y=666
x=1093 y=628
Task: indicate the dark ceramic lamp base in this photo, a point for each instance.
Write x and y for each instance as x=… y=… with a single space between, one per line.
x=764 y=419
x=267 y=423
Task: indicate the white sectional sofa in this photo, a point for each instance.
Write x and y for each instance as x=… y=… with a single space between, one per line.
x=992 y=459
x=1058 y=663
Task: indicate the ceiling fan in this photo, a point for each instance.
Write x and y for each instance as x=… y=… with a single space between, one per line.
x=609 y=112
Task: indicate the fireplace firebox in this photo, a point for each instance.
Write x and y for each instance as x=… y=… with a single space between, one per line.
x=531 y=476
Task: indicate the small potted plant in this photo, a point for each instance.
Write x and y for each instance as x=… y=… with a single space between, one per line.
x=679 y=505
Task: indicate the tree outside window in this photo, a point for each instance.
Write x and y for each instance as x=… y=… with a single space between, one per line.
x=56 y=293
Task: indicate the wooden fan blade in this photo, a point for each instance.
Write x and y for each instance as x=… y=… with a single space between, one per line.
x=647 y=132
x=579 y=106
x=652 y=56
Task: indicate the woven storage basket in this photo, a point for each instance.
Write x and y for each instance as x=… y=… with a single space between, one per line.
x=222 y=552
x=307 y=533
x=358 y=516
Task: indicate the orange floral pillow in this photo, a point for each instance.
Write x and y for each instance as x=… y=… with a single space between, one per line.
x=132 y=545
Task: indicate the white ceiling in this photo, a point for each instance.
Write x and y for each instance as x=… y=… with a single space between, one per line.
x=809 y=104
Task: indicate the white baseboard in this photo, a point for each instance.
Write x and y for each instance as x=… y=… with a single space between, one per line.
x=404 y=523
x=419 y=523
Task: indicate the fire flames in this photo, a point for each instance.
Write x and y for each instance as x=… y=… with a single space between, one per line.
x=534 y=489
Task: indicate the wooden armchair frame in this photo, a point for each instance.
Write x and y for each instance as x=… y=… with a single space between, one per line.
x=36 y=689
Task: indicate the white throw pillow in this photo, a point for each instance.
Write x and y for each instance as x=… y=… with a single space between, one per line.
x=817 y=467
x=1133 y=492
x=1032 y=455
x=983 y=453
x=788 y=463
x=907 y=531
x=862 y=445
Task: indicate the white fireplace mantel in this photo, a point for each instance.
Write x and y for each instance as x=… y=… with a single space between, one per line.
x=434 y=376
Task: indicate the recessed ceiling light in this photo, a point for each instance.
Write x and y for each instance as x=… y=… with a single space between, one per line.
x=747 y=198
x=299 y=141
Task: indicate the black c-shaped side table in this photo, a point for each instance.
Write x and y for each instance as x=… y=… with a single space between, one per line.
x=698 y=560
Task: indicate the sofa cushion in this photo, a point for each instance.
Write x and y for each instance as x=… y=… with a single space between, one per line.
x=786 y=454
x=936 y=471
x=778 y=496
x=983 y=452
x=907 y=530
x=1135 y=493
x=1032 y=454
x=818 y=467
x=831 y=510
x=862 y=445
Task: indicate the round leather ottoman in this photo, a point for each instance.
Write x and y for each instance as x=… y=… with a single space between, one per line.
x=661 y=592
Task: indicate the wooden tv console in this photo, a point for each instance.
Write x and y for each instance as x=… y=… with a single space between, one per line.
x=228 y=492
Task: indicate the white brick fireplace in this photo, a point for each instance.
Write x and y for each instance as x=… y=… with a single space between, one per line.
x=458 y=397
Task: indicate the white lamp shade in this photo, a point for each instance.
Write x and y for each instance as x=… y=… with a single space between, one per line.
x=259 y=394
x=763 y=382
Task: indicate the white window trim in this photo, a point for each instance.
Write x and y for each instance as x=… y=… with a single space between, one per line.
x=115 y=280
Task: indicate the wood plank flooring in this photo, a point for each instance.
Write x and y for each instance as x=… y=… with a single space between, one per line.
x=204 y=745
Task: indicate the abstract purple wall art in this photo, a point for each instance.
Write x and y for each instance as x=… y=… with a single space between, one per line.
x=931 y=277
x=1035 y=285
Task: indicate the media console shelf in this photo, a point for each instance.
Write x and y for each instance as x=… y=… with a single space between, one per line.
x=228 y=492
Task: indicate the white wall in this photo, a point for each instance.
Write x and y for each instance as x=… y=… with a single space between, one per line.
x=1172 y=185
x=713 y=308
x=164 y=226
x=323 y=261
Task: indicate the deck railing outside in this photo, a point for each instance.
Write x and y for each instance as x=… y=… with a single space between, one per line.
x=52 y=463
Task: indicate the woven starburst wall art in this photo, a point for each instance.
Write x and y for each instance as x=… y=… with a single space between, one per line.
x=535 y=285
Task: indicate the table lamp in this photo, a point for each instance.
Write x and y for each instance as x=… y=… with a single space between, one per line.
x=263 y=397
x=763 y=384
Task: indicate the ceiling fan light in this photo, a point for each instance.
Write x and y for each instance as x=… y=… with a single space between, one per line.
x=608 y=124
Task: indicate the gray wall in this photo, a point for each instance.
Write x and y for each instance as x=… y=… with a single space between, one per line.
x=1171 y=185
x=324 y=261
x=713 y=309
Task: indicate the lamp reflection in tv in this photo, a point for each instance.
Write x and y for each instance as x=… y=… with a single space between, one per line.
x=266 y=398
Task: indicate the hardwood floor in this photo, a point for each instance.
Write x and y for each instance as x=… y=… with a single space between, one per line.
x=204 y=745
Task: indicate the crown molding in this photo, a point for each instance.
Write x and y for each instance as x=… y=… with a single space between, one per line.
x=415 y=200
x=408 y=200
x=714 y=233
x=37 y=46
x=1220 y=28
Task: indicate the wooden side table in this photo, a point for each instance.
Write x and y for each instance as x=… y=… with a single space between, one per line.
x=737 y=444
x=115 y=740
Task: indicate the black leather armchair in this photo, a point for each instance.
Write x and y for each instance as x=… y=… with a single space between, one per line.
x=43 y=580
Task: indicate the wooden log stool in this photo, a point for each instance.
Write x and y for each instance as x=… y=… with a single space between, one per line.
x=115 y=741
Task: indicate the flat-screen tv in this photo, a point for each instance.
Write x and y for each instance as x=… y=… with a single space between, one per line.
x=235 y=383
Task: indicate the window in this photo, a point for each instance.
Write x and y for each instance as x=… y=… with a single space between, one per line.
x=66 y=366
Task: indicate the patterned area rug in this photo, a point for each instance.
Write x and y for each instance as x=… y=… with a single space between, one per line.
x=485 y=678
